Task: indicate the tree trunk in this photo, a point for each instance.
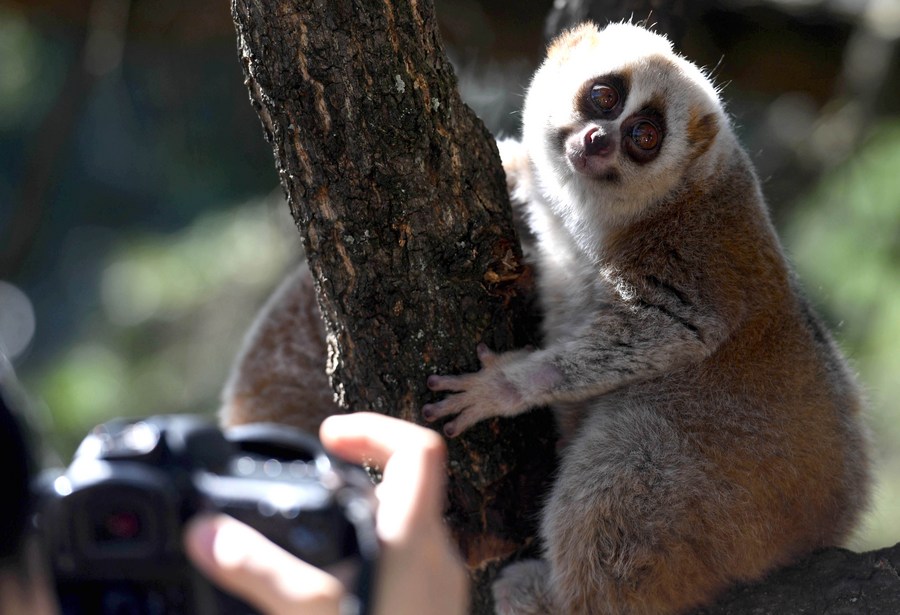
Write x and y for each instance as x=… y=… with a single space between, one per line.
x=400 y=198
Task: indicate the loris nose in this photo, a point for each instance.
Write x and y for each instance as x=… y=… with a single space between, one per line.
x=597 y=142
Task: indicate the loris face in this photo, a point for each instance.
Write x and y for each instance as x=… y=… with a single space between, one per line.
x=614 y=121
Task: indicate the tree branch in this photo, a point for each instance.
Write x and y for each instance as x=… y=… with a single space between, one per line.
x=830 y=581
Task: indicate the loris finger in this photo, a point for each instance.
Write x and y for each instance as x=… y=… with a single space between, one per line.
x=446 y=383
x=461 y=423
x=453 y=404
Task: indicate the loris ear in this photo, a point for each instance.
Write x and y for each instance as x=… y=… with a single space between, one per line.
x=702 y=131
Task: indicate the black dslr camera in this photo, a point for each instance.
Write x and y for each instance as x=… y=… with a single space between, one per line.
x=111 y=523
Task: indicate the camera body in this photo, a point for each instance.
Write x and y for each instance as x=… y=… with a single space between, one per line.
x=111 y=523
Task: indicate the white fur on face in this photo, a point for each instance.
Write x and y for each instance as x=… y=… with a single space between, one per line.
x=657 y=78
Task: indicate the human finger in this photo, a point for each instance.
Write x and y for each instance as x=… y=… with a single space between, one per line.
x=369 y=437
x=413 y=459
x=242 y=561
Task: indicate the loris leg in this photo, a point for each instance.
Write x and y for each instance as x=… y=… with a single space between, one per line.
x=628 y=528
x=279 y=374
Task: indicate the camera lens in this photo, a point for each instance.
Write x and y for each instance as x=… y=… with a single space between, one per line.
x=122 y=526
x=124 y=523
x=118 y=525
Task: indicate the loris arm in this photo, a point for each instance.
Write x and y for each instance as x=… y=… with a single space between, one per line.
x=646 y=330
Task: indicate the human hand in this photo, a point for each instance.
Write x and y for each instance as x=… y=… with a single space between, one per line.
x=419 y=570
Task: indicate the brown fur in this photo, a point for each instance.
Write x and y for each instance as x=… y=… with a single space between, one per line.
x=745 y=456
x=279 y=375
x=702 y=129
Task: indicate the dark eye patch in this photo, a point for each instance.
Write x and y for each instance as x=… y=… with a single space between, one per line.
x=643 y=134
x=602 y=98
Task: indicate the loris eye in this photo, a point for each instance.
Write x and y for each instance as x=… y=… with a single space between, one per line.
x=645 y=135
x=605 y=97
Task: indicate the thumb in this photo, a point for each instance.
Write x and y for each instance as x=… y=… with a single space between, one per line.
x=242 y=561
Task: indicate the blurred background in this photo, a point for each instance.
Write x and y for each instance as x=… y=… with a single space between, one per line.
x=141 y=221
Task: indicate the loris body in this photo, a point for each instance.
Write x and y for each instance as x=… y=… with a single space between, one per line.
x=712 y=429
x=279 y=374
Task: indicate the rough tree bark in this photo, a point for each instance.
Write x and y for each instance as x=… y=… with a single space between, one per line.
x=398 y=192
x=400 y=199
x=830 y=582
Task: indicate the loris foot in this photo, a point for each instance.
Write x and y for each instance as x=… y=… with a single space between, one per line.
x=523 y=589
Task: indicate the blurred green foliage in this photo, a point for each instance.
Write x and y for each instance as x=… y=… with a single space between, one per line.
x=845 y=239
x=18 y=69
x=172 y=311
